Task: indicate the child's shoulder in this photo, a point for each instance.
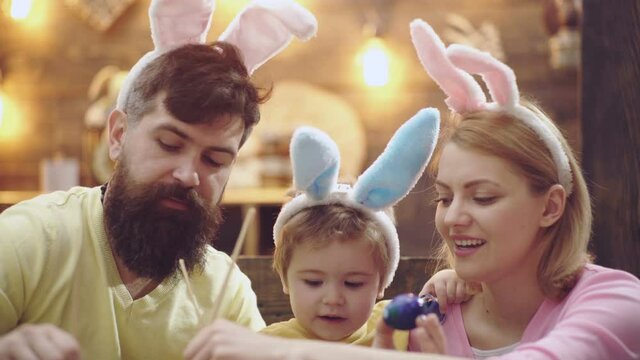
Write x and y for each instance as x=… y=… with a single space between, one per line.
x=288 y=329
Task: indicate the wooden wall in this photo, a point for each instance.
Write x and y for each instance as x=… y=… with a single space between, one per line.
x=612 y=129
x=48 y=65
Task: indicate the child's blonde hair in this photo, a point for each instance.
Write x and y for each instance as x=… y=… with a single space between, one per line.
x=320 y=225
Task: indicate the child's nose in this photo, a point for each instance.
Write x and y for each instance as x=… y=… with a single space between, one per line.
x=333 y=297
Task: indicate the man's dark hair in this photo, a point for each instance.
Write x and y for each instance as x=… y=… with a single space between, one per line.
x=200 y=83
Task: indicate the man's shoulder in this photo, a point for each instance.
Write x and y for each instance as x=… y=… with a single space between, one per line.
x=58 y=199
x=45 y=216
x=217 y=263
x=216 y=257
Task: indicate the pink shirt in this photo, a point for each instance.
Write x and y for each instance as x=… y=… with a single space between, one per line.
x=598 y=319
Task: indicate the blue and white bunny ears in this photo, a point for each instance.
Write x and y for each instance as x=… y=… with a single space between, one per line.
x=452 y=68
x=316 y=163
x=260 y=31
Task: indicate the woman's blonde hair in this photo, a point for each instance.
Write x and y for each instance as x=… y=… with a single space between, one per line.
x=320 y=225
x=503 y=136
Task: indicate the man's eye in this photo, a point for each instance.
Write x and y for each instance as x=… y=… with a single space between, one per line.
x=211 y=162
x=168 y=147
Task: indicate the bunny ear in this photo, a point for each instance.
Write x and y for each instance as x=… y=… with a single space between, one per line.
x=464 y=93
x=315 y=160
x=266 y=27
x=179 y=22
x=500 y=79
x=173 y=23
x=396 y=171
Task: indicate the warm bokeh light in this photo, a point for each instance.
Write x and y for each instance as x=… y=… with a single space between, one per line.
x=375 y=63
x=20 y=9
x=11 y=129
x=1 y=109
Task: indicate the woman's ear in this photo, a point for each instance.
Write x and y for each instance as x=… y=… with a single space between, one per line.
x=117 y=124
x=555 y=201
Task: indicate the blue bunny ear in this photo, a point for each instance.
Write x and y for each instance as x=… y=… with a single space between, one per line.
x=396 y=171
x=315 y=160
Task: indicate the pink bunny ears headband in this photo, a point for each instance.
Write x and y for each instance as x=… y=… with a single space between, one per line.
x=260 y=31
x=451 y=69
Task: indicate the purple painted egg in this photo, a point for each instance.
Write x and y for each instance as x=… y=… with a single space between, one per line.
x=402 y=311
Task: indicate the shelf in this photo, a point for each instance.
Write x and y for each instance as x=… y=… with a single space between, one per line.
x=232 y=196
x=255 y=196
x=13 y=197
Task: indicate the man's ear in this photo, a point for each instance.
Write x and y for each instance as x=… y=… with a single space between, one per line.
x=117 y=124
x=285 y=287
x=555 y=201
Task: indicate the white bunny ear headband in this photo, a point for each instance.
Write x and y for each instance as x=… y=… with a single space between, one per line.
x=315 y=161
x=260 y=31
x=451 y=69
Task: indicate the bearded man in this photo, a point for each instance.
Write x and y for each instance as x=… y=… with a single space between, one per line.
x=94 y=271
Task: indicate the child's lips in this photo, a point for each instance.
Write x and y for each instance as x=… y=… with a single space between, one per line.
x=332 y=318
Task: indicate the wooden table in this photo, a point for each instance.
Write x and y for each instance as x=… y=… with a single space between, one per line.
x=243 y=197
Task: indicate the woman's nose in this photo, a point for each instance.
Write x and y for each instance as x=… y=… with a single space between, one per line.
x=457 y=214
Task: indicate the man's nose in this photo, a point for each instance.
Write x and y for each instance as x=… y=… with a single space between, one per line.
x=187 y=174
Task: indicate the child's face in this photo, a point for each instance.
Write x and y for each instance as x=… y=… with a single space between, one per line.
x=332 y=290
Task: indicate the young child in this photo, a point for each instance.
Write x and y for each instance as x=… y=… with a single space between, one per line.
x=337 y=247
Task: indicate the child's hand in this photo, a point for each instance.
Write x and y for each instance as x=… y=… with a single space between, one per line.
x=384 y=336
x=448 y=288
x=428 y=336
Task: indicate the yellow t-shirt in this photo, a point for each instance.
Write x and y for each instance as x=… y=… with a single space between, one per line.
x=363 y=336
x=57 y=267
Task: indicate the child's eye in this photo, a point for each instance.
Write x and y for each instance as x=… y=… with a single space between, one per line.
x=313 y=283
x=353 y=284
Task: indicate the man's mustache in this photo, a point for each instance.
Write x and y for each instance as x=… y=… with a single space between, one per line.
x=188 y=196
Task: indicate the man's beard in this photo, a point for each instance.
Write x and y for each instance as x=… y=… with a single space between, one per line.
x=150 y=238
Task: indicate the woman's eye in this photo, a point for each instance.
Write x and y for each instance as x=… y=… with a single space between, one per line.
x=485 y=200
x=445 y=201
